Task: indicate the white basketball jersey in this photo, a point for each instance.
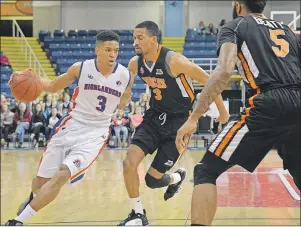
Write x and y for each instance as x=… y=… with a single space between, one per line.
x=96 y=97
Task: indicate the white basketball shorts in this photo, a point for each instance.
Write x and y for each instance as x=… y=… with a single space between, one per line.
x=73 y=144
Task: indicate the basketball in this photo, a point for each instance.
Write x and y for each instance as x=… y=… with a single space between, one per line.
x=25 y=85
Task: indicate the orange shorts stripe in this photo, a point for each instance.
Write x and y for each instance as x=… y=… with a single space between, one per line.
x=235 y=127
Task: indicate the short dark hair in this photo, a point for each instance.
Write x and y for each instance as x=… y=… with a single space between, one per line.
x=150 y=26
x=255 y=6
x=107 y=35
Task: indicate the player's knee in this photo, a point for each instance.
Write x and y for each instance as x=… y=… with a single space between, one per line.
x=204 y=174
x=152 y=182
x=128 y=166
x=63 y=176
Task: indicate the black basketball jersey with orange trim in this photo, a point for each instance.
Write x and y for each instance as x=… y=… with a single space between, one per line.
x=168 y=94
x=268 y=52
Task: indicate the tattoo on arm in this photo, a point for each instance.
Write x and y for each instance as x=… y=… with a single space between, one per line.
x=214 y=87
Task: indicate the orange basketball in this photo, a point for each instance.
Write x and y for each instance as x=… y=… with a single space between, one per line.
x=25 y=86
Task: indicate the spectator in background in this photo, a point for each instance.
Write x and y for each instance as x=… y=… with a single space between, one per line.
x=33 y=105
x=3 y=101
x=47 y=104
x=119 y=123
x=221 y=24
x=129 y=109
x=4 y=60
x=37 y=124
x=211 y=30
x=60 y=99
x=6 y=124
x=201 y=29
x=22 y=119
x=66 y=105
x=136 y=119
x=52 y=119
x=143 y=103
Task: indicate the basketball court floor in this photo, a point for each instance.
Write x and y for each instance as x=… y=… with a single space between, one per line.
x=266 y=197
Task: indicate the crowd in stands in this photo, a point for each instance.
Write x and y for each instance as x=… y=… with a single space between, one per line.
x=202 y=29
x=37 y=119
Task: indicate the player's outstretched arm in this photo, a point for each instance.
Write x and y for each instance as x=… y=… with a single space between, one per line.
x=63 y=80
x=125 y=98
x=180 y=64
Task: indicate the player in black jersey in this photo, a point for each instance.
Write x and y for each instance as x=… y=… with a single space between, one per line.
x=169 y=76
x=267 y=55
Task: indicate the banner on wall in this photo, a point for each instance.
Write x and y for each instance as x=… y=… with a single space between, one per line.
x=16 y=9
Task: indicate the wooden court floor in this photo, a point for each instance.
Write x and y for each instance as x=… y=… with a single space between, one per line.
x=260 y=198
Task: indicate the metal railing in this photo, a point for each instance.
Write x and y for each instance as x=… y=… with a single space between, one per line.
x=33 y=61
x=209 y=64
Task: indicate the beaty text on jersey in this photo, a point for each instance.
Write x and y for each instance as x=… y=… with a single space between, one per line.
x=268 y=23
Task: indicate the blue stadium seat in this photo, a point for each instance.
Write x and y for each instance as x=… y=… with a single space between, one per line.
x=5 y=69
x=211 y=45
x=43 y=34
x=199 y=45
x=200 y=54
x=62 y=61
x=123 y=62
x=4 y=86
x=210 y=53
x=83 y=33
x=71 y=61
x=200 y=38
x=189 y=38
x=92 y=32
x=75 y=46
x=189 y=53
x=76 y=53
x=139 y=86
x=63 y=70
x=72 y=33
x=59 y=39
x=91 y=39
x=81 y=39
x=54 y=47
x=55 y=55
x=65 y=46
x=125 y=32
x=4 y=77
x=126 y=46
x=70 y=39
x=58 y=33
x=87 y=46
x=138 y=80
x=210 y=38
x=47 y=41
x=88 y=54
x=188 y=46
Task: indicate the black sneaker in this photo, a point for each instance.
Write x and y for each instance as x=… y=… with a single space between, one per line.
x=135 y=219
x=172 y=189
x=25 y=203
x=13 y=222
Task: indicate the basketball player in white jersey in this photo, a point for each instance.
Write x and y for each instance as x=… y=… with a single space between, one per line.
x=79 y=137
